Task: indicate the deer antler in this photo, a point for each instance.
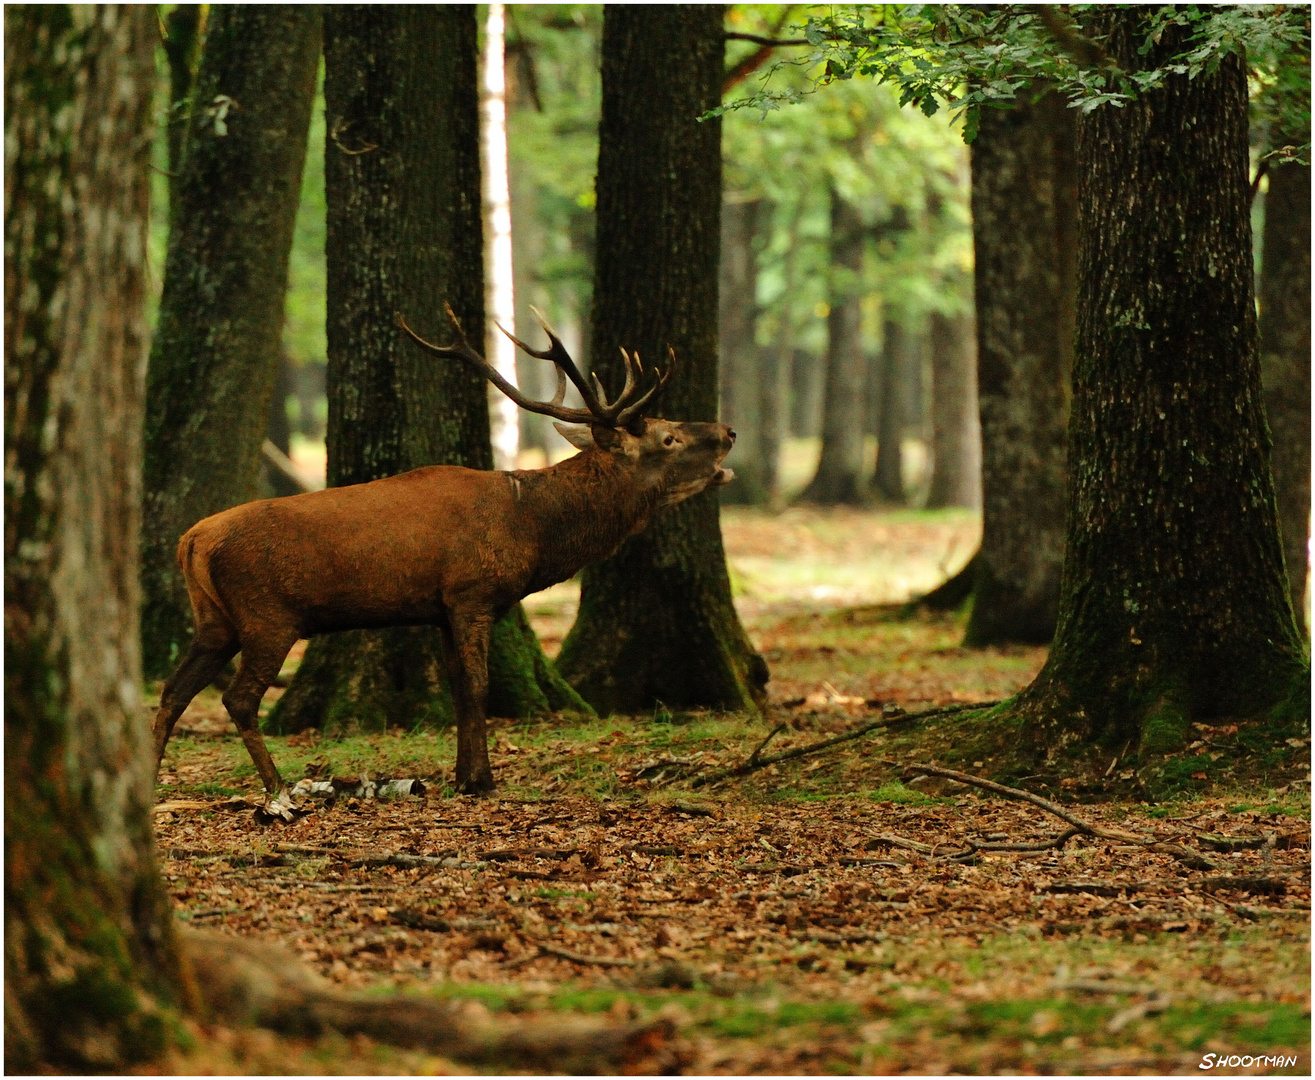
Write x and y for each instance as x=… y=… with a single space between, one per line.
x=598 y=410
x=462 y=350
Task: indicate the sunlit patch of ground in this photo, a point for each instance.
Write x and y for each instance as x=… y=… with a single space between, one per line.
x=766 y=914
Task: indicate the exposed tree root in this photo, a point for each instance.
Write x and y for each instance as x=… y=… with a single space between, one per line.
x=243 y=982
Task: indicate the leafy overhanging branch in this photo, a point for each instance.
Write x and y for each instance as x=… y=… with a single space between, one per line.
x=970 y=57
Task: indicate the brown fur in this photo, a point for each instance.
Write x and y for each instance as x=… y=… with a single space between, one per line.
x=442 y=545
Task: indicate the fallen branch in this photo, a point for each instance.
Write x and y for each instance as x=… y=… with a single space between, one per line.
x=752 y=765
x=1184 y=854
x=1078 y=823
x=580 y=958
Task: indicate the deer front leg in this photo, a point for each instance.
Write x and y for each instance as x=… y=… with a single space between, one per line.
x=469 y=642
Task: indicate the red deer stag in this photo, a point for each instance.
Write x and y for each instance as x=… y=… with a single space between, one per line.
x=442 y=545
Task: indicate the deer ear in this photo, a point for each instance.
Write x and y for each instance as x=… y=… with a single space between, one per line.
x=578 y=435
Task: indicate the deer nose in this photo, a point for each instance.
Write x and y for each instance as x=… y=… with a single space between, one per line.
x=730 y=434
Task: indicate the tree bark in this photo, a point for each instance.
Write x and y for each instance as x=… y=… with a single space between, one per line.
x=402 y=184
x=1285 y=362
x=91 y=967
x=216 y=348
x=1173 y=601
x=182 y=47
x=888 y=474
x=1024 y=190
x=741 y=367
x=656 y=621
x=837 y=478
x=956 y=477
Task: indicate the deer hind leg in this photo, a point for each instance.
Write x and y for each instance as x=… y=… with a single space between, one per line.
x=468 y=641
x=259 y=667
x=211 y=648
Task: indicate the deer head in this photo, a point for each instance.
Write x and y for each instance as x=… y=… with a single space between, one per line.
x=677 y=458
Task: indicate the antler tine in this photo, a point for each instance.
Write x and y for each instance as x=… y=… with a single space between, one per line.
x=560 y=395
x=601 y=394
x=628 y=390
x=461 y=349
x=632 y=410
x=557 y=354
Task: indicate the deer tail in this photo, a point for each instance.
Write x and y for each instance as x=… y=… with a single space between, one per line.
x=200 y=586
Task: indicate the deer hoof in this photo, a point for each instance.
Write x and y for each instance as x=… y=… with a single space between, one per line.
x=281 y=807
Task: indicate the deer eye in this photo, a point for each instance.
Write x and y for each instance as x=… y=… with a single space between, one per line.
x=670 y=440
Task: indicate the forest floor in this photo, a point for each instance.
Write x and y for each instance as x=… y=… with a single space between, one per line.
x=804 y=918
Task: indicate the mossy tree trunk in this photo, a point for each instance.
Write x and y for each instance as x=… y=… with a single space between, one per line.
x=1024 y=189
x=183 y=28
x=656 y=620
x=402 y=186
x=837 y=478
x=216 y=348
x=956 y=477
x=741 y=366
x=1285 y=361
x=92 y=971
x=1173 y=602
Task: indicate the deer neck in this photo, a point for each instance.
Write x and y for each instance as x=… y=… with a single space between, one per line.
x=581 y=510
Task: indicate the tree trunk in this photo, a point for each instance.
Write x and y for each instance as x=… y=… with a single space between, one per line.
x=1285 y=361
x=888 y=475
x=91 y=966
x=1024 y=189
x=278 y=429
x=837 y=478
x=773 y=398
x=182 y=46
x=216 y=349
x=403 y=193
x=656 y=621
x=741 y=370
x=956 y=477
x=1173 y=602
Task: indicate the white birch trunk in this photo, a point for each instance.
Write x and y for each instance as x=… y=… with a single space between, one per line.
x=499 y=287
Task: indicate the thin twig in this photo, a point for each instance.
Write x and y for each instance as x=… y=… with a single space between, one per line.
x=825 y=744
x=753 y=758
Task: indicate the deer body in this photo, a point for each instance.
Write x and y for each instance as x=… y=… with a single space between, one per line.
x=442 y=545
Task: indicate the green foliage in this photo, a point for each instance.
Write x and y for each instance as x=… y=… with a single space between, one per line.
x=972 y=57
x=554 y=97
x=904 y=172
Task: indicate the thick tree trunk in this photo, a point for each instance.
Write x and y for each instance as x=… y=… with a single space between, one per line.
x=837 y=478
x=656 y=621
x=1173 y=603
x=1285 y=362
x=741 y=366
x=182 y=47
x=888 y=474
x=215 y=354
x=91 y=966
x=956 y=450
x=1024 y=235
x=403 y=193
